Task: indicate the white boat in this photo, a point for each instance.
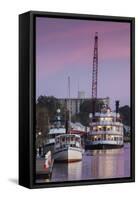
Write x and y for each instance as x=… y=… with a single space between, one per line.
x=53 y=132
x=78 y=129
x=56 y=128
x=68 y=148
x=106 y=130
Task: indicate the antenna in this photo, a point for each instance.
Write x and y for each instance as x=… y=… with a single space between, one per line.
x=78 y=89
x=69 y=87
x=69 y=105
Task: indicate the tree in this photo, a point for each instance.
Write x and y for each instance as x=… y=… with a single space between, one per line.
x=87 y=107
x=50 y=102
x=46 y=108
x=42 y=119
x=125 y=114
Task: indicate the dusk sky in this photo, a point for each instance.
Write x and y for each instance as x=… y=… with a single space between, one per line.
x=64 y=47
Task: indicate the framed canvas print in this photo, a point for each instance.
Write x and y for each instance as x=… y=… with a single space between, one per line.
x=76 y=99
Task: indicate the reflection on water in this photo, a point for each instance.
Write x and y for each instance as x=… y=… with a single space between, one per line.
x=107 y=164
x=96 y=164
x=66 y=172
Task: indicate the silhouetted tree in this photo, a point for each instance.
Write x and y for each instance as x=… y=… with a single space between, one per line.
x=125 y=114
x=88 y=107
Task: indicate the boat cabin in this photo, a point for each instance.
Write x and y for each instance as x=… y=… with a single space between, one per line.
x=66 y=140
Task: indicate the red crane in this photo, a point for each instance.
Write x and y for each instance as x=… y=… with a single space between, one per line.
x=95 y=67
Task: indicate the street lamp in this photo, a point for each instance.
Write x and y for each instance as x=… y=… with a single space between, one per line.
x=90 y=115
x=39 y=133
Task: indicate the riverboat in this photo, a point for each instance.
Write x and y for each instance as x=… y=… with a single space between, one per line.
x=106 y=129
x=56 y=127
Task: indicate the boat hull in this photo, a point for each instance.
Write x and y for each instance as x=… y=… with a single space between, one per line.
x=103 y=146
x=68 y=154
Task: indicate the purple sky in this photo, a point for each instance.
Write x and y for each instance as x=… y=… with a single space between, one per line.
x=64 y=47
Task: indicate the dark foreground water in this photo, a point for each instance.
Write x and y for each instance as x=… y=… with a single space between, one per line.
x=96 y=164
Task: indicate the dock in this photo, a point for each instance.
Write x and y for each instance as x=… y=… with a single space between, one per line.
x=44 y=167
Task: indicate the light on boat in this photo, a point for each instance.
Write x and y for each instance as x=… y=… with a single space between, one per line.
x=58 y=110
x=90 y=115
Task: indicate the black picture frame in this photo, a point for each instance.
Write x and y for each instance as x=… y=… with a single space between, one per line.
x=27 y=82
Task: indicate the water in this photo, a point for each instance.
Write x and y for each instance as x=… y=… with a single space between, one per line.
x=96 y=164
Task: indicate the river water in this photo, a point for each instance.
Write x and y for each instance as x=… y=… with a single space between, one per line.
x=96 y=164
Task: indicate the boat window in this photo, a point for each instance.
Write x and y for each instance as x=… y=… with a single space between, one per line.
x=72 y=138
x=103 y=137
x=77 y=139
x=93 y=128
x=57 y=140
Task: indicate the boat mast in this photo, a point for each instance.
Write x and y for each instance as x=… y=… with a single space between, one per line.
x=69 y=105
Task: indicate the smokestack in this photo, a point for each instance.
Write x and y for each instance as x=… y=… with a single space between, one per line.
x=117 y=106
x=93 y=106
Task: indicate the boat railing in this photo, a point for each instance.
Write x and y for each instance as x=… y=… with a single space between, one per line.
x=106 y=123
x=64 y=145
x=106 y=132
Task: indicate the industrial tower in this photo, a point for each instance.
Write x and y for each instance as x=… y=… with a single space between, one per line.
x=95 y=67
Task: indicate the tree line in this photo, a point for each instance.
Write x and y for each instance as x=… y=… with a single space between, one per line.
x=46 y=107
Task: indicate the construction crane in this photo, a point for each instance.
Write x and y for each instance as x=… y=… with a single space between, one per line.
x=95 y=67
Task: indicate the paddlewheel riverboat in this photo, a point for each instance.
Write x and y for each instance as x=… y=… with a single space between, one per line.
x=106 y=129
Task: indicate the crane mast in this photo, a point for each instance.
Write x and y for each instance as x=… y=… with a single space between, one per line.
x=95 y=67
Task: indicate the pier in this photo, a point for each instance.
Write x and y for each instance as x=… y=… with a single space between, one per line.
x=44 y=167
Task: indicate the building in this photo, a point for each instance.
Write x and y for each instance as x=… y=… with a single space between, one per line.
x=75 y=103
